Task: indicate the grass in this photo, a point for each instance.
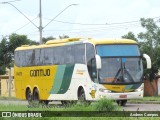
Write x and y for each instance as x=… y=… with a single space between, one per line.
x=8 y=98
x=101 y=105
x=97 y=106
x=105 y=105
x=146 y=100
x=84 y=118
x=152 y=98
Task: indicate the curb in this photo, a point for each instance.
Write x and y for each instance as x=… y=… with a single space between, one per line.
x=144 y=102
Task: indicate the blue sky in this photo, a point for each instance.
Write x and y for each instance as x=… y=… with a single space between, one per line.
x=100 y=13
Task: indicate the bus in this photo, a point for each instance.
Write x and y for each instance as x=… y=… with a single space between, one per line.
x=76 y=69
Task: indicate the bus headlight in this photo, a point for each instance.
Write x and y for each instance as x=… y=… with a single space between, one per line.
x=139 y=89
x=104 y=90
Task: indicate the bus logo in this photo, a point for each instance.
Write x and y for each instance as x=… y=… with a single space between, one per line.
x=6 y=114
x=39 y=72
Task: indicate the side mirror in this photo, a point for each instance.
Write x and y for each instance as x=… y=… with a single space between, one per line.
x=148 y=59
x=98 y=62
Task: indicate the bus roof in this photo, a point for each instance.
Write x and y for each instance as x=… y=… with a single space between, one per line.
x=112 y=41
x=62 y=42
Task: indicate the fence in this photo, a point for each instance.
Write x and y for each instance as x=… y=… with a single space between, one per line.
x=7 y=84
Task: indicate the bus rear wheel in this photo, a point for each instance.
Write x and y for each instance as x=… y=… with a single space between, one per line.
x=28 y=96
x=36 y=96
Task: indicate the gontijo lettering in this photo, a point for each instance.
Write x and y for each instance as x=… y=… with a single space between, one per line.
x=40 y=72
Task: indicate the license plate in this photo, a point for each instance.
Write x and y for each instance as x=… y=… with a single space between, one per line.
x=123 y=96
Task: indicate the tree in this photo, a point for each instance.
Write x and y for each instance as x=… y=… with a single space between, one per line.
x=53 y=38
x=5 y=56
x=16 y=40
x=150 y=44
x=130 y=35
x=63 y=36
x=47 y=38
x=7 y=47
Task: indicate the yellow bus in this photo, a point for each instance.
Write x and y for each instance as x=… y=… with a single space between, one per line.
x=80 y=69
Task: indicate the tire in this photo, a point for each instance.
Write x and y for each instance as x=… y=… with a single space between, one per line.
x=81 y=95
x=45 y=102
x=28 y=96
x=36 y=96
x=121 y=102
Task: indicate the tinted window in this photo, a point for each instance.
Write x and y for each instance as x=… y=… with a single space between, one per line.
x=21 y=58
x=39 y=57
x=48 y=56
x=90 y=52
x=117 y=50
x=69 y=54
x=79 y=53
x=30 y=57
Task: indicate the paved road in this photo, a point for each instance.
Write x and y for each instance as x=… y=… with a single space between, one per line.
x=142 y=107
x=20 y=102
x=128 y=107
x=15 y=102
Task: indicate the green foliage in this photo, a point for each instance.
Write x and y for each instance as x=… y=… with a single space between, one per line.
x=47 y=38
x=5 y=56
x=105 y=105
x=146 y=100
x=16 y=40
x=7 y=47
x=149 y=42
x=63 y=36
x=130 y=35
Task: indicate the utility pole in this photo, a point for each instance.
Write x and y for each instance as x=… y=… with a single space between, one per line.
x=40 y=28
x=40 y=22
x=9 y=83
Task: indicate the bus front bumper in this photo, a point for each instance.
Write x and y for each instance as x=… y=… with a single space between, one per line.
x=121 y=96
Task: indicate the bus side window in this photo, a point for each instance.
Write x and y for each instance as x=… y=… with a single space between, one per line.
x=91 y=62
x=22 y=56
x=17 y=58
x=92 y=69
x=30 y=58
x=79 y=53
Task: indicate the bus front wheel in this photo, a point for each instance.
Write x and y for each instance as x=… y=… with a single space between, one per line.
x=45 y=102
x=81 y=95
x=121 y=102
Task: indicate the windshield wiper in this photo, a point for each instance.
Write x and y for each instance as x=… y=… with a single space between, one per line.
x=121 y=78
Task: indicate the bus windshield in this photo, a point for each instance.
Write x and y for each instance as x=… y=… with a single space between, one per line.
x=121 y=64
